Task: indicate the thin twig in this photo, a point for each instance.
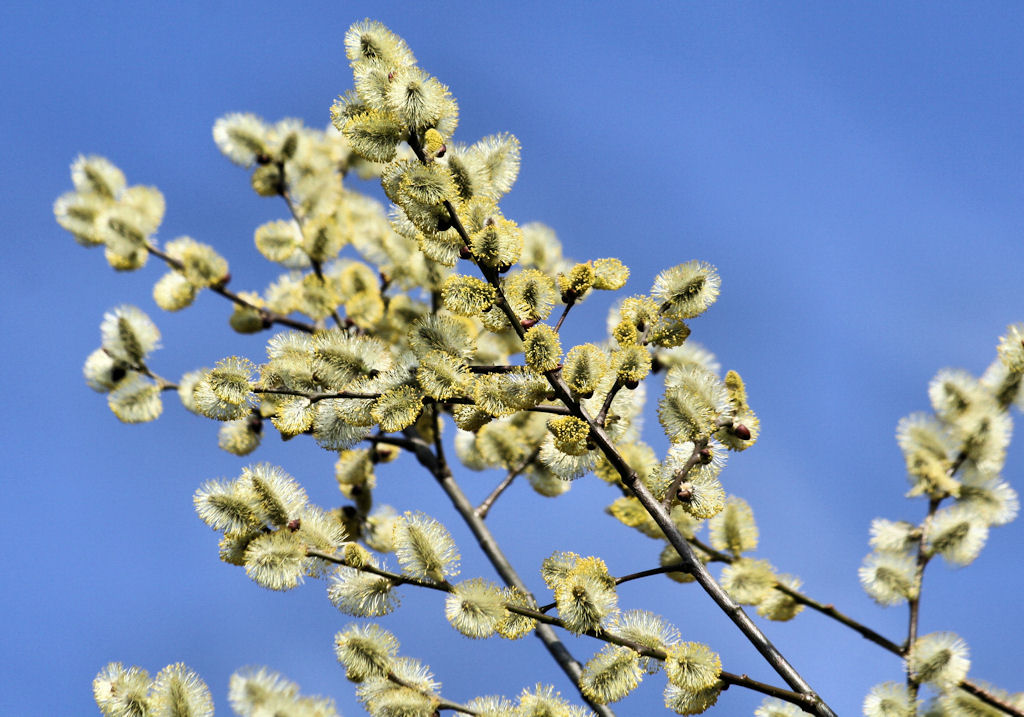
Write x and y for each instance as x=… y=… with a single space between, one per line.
x=677 y=480
x=496 y=369
x=557 y=410
x=485 y=506
x=315 y=397
x=990 y=699
x=394 y=578
x=565 y=312
x=914 y=602
x=317 y=267
x=602 y=416
x=608 y=636
x=439 y=702
x=443 y=475
x=269 y=317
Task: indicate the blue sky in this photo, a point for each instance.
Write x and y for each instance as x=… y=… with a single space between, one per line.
x=854 y=171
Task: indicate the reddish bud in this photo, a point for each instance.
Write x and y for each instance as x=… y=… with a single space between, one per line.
x=440 y=152
x=704 y=455
x=465 y=252
x=631 y=385
x=741 y=432
x=294 y=524
x=527 y=323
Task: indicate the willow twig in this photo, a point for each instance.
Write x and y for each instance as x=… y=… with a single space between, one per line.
x=269 y=317
x=602 y=416
x=438 y=467
x=565 y=312
x=914 y=602
x=485 y=506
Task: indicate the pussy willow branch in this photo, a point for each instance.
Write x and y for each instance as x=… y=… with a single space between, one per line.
x=602 y=416
x=830 y=611
x=495 y=369
x=544 y=620
x=314 y=397
x=914 y=602
x=439 y=702
x=565 y=312
x=317 y=268
x=265 y=314
x=162 y=383
x=735 y=613
x=484 y=508
x=438 y=467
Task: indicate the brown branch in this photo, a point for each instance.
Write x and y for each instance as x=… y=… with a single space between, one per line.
x=914 y=602
x=315 y=397
x=485 y=506
x=557 y=410
x=604 y=635
x=565 y=312
x=693 y=564
x=990 y=699
x=495 y=369
x=437 y=467
x=269 y=317
x=602 y=416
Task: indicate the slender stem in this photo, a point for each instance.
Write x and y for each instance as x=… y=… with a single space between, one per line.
x=693 y=564
x=485 y=506
x=317 y=267
x=405 y=443
x=395 y=578
x=602 y=416
x=914 y=602
x=728 y=678
x=438 y=467
x=162 y=383
x=990 y=699
x=557 y=410
x=269 y=317
x=315 y=397
x=841 y=618
x=680 y=476
x=439 y=702
x=565 y=312
x=661 y=570
x=495 y=369
x=796 y=698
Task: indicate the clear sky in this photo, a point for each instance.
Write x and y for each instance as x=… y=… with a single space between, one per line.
x=853 y=170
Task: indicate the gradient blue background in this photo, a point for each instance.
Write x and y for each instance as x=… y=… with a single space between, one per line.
x=854 y=171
